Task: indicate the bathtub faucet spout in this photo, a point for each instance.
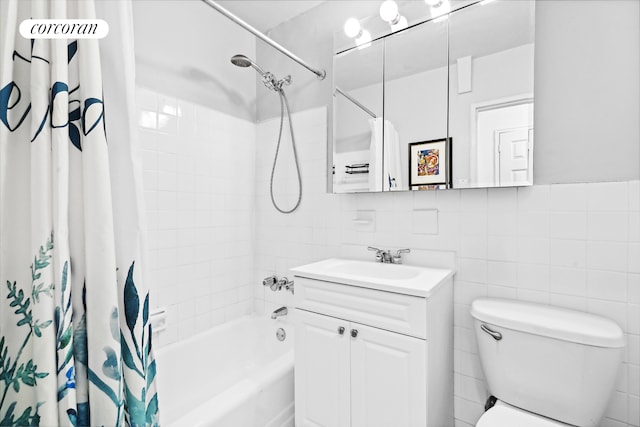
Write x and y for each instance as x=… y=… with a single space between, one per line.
x=282 y=311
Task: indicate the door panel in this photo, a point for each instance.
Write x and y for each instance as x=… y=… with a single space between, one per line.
x=388 y=372
x=515 y=156
x=322 y=371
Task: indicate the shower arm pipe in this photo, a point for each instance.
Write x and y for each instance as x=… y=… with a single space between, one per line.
x=319 y=73
x=356 y=102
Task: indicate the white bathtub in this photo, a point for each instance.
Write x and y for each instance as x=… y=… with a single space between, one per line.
x=235 y=375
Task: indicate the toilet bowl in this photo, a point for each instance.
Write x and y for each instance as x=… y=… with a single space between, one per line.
x=547 y=366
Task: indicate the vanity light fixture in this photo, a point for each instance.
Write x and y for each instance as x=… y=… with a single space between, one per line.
x=441 y=11
x=352 y=28
x=364 y=40
x=400 y=25
x=389 y=13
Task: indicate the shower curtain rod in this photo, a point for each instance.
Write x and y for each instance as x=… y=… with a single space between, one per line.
x=355 y=101
x=319 y=73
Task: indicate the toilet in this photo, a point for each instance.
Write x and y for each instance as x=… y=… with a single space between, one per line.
x=547 y=366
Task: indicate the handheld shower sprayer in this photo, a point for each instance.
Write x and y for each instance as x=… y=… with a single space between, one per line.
x=269 y=79
x=271 y=82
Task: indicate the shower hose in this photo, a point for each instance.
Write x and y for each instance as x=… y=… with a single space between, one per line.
x=284 y=105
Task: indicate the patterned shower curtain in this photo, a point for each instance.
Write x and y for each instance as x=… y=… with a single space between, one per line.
x=75 y=334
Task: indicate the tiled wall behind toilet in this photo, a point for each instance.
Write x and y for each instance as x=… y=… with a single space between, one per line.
x=573 y=245
x=198 y=192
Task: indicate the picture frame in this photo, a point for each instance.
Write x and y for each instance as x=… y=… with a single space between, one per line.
x=430 y=163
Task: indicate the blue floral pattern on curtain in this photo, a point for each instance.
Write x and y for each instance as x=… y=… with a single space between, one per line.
x=75 y=334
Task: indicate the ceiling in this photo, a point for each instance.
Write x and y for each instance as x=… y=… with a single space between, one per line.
x=267 y=14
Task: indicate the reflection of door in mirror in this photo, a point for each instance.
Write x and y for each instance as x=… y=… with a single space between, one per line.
x=502 y=142
x=491 y=57
x=515 y=154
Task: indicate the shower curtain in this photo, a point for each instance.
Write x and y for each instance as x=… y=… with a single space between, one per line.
x=75 y=335
x=385 y=169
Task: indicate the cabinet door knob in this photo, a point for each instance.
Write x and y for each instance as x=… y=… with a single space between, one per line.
x=354 y=333
x=341 y=330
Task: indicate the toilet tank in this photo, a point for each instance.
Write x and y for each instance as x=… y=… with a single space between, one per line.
x=551 y=361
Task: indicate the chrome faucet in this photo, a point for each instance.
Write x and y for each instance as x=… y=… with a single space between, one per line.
x=386 y=257
x=282 y=311
x=276 y=284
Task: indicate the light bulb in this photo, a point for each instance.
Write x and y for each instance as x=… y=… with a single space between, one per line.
x=364 y=40
x=400 y=25
x=389 y=10
x=433 y=3
x=352 y=27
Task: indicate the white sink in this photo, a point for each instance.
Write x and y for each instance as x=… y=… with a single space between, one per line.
x=373 y=270
x=411 y=280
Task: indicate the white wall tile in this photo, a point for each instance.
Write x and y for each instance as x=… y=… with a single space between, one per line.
x=634 y=195
x=568 y=225
x=502 y=200
x=633 y=265
x=502 y=273
x=180 y=213
x=424 y=221
x=534 y=198
x=607 y=255
x=569 y=281
x=608 y=196
x=568 y=197
x=501 y=248
x=533 y=224
x=533 y=250
x=607 y=285
x=502 y=224
x=533 y=277
x=612 y=226
x=568 y=253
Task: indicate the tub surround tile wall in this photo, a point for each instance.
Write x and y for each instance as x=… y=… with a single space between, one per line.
x=571 y=245
x=198 y=185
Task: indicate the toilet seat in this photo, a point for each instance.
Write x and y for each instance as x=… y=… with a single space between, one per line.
x=505 y=415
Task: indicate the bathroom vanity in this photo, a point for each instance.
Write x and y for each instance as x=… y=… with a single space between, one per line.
x=374 y=345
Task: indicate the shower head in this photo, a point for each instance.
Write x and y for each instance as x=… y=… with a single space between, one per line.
x=243 y=61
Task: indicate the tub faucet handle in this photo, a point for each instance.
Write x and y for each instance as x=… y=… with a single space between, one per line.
x=269 y=281
x=285 y=283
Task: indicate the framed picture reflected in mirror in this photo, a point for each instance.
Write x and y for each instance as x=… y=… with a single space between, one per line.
x=430 y=164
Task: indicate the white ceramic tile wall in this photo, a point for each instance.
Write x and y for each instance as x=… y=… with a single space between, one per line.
x=198 y=181
x=574 y=245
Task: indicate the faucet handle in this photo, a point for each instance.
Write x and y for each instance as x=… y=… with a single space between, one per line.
x=379 y=253
x=397 y=259
x=269 y=281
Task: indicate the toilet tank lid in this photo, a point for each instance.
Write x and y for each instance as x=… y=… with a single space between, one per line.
x=550 y=321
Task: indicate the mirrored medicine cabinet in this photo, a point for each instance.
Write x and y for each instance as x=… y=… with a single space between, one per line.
x=445 y=103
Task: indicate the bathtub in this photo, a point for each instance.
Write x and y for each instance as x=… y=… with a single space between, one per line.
x=235 y=375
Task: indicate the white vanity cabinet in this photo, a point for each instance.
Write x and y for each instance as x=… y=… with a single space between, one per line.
x=369 y=355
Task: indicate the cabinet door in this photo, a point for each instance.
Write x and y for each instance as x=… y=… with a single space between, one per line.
x=322 y=371
x=388 y=379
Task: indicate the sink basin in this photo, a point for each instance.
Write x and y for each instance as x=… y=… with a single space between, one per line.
x=410 y=280
x=373 y=270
